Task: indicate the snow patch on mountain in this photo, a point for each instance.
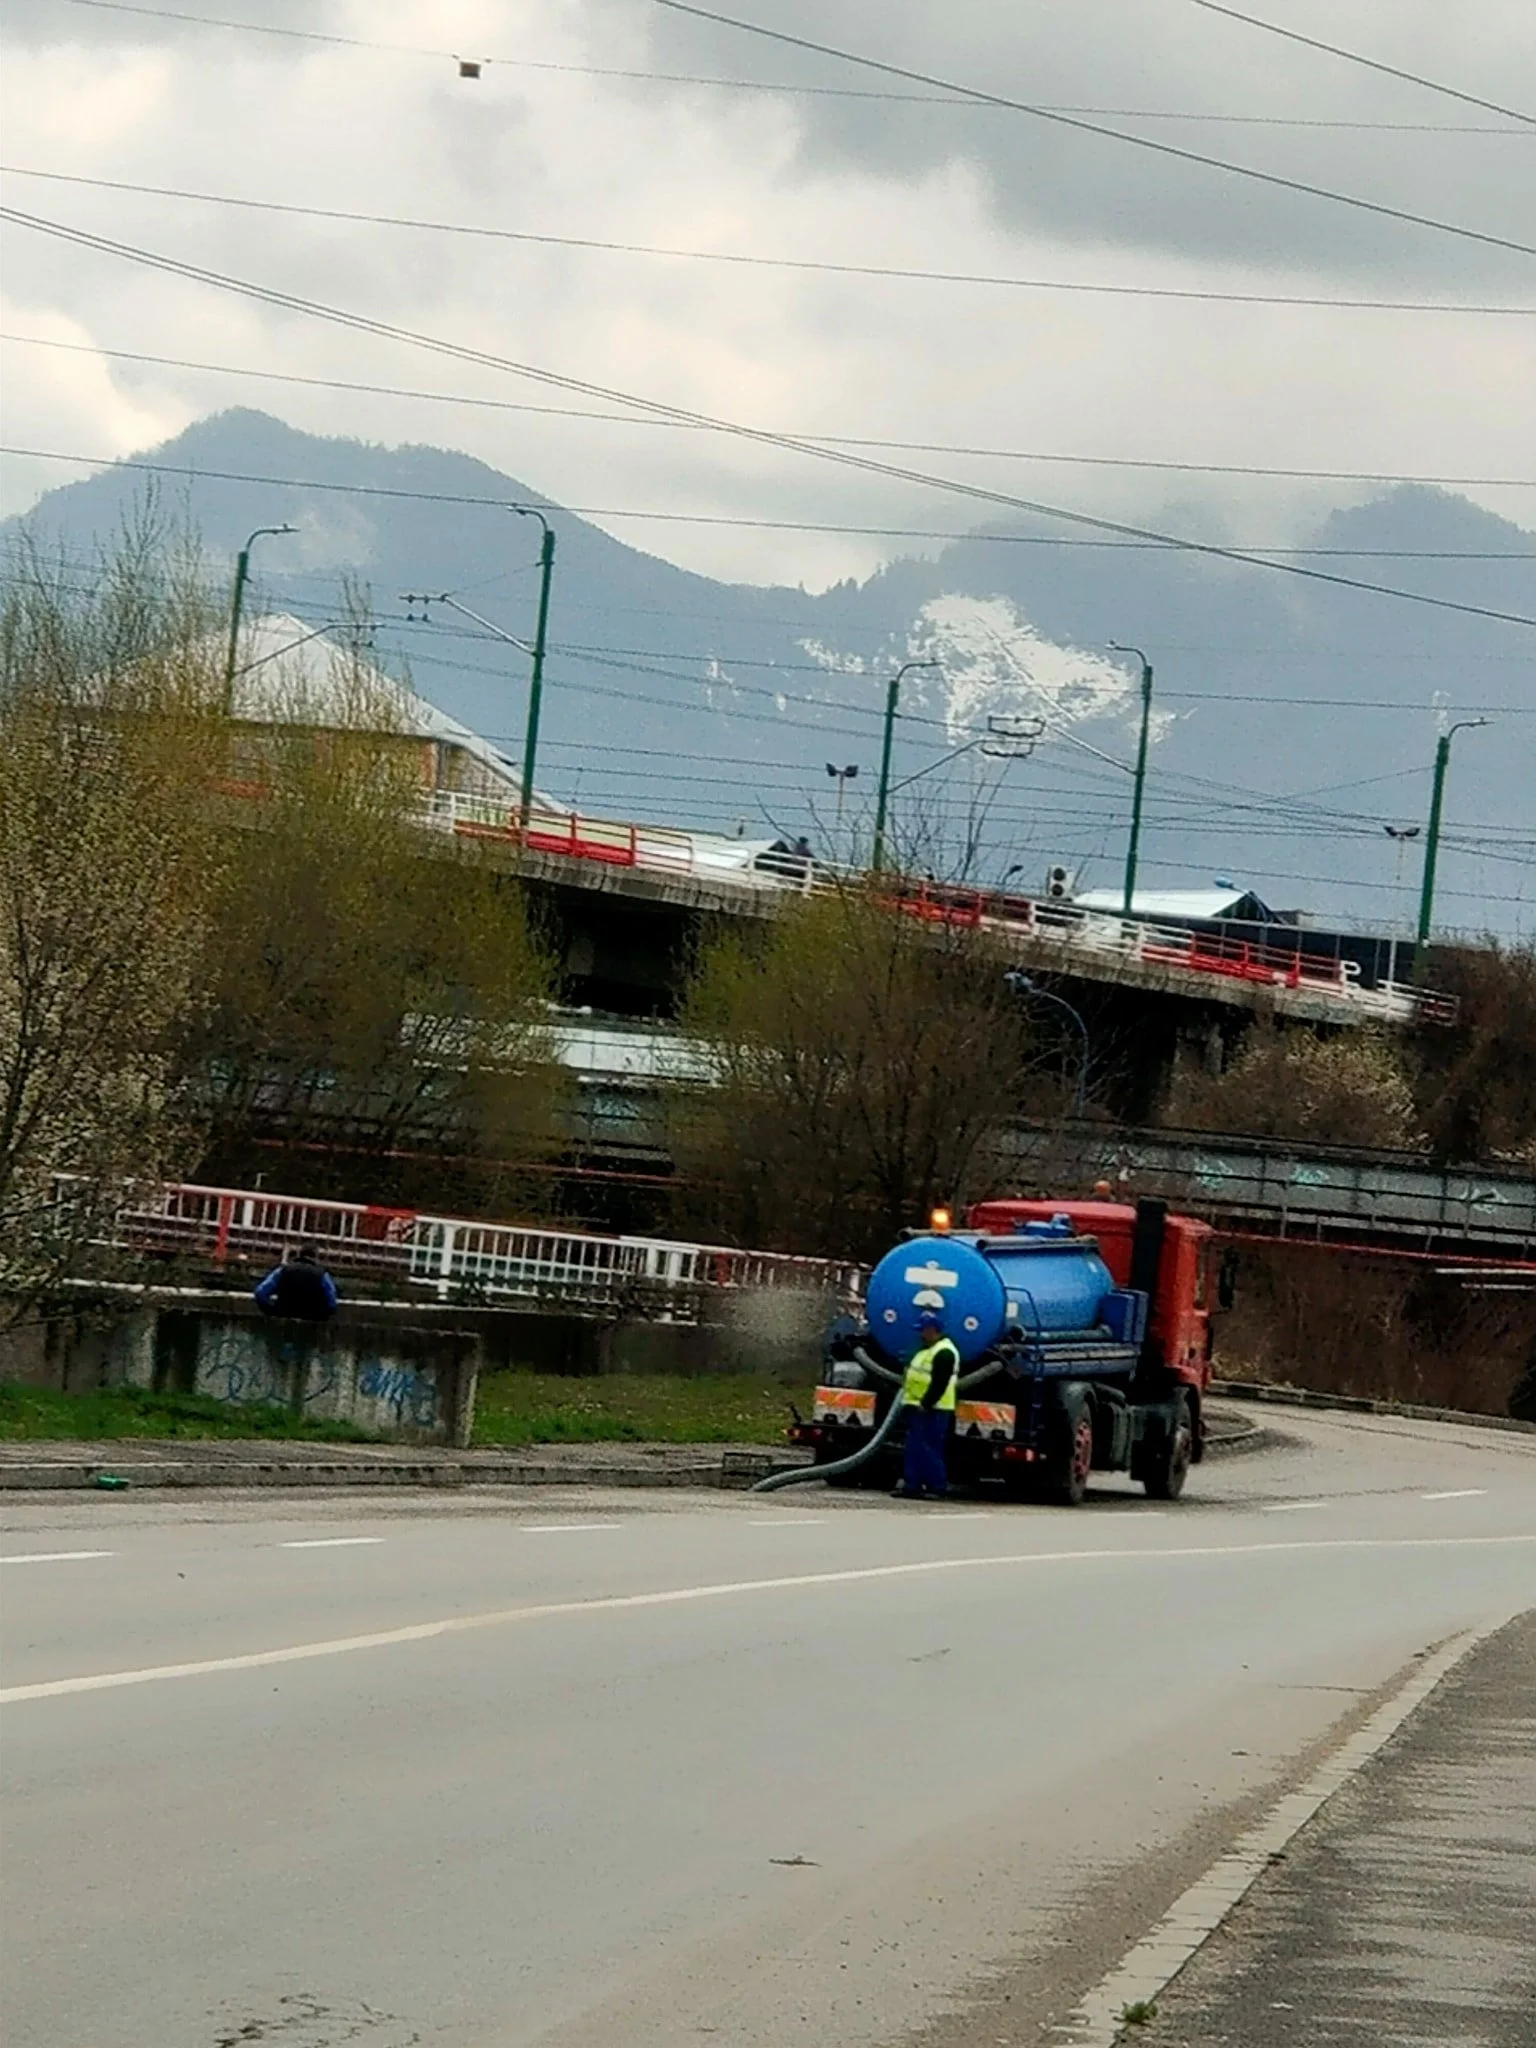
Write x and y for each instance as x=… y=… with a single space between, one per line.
x=993 y=662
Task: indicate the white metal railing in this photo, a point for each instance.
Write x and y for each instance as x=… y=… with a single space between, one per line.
x=457 y=1255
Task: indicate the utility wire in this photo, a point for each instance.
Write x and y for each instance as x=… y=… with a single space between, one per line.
x=834 y=92
x=842 y=457
x=1046 y=455
x=751 y=260
x=1254 y=553
x=1075 y=121
x=1292 y=35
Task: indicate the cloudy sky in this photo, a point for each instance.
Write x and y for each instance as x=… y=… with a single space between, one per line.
x=588 y=124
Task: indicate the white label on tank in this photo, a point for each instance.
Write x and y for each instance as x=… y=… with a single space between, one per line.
x=1013 y=1311
x=932 y=1275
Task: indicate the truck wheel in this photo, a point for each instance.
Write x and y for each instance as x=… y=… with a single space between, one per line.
x=1071 y=1458
x=1167 y=1466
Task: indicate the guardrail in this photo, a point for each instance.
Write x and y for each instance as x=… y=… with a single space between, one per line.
x=1176 y=946
x=1294 y=1191
x=1094 y=933
x=457 y=1256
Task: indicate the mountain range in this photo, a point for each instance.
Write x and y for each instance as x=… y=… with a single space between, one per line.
x=1294 y=718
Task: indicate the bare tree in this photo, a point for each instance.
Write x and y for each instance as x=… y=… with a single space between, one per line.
x=863 y=1059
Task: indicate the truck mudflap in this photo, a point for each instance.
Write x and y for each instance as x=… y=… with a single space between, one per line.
x=990 y=1421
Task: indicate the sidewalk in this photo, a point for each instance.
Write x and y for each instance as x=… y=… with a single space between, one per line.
x=1404 y=1916
x=36 y=1465
x=192 y=1461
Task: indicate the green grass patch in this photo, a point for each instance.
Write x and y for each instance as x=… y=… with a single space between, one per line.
x=40 y=1413
x=660 y=1408
x=513 y=1408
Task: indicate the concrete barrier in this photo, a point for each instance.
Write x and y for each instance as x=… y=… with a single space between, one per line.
x=405 y=1372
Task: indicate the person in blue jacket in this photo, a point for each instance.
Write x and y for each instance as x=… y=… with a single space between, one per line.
x=299 y=1288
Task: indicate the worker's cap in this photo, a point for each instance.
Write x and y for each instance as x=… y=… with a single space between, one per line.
x=930 y=1319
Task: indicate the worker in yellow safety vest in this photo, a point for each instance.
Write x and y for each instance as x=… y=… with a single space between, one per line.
x=928 y=1394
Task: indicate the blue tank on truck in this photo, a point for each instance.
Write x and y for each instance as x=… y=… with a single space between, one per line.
x=1042 y=1280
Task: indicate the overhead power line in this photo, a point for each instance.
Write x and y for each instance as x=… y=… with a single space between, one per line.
x=568 y=412
x=777 y=86
x=843 y=457
x=1257 y=558
x=1085 y=127
x=1292 y=35
x=754 y=261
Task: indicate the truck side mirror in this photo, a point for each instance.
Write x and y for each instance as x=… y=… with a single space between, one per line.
x=1226 y=1282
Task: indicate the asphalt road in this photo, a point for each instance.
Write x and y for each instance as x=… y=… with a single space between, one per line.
x=577 y=1769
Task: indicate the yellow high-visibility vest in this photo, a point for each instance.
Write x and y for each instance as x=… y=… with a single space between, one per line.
x=919 y=1375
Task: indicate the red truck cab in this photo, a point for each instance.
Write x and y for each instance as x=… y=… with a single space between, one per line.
x=1179 y=1316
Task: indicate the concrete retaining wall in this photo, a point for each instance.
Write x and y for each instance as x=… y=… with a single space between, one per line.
x=408 y=1374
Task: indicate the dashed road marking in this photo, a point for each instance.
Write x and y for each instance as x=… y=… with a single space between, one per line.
x=54 y=1556
x=1293 y=1507
x=1457 y=1493
x=784 y=1522
x=564 y=1528
x=328 y=1542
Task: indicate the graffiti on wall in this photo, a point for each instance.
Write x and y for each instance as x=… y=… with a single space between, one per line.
x=246 y=1377
x=410 y=1396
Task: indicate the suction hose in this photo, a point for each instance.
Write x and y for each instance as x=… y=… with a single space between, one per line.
x=802 y=1475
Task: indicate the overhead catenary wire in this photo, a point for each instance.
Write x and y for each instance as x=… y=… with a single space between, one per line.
x=1098 y=128
x=877 y=632
x=1257 y=554
x=522 y=62
x=755 y=260
x=993 y=454
x=1434 y=85
x=1172 y=543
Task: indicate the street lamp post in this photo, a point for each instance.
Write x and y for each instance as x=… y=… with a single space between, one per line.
x=1432 y=841
x=842 y=777
x=893 y=692
x=242 y=574
x=536 y=684
x=1025 y=985
x=1133 y=848
x=1141 y=769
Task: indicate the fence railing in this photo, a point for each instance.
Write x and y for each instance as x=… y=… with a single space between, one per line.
x=1096 y=933
x=1173 y=946
x=458 y=1257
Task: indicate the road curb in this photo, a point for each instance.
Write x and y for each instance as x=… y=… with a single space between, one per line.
x=728 y=1468
x=1099 y=2021
x=1362 y=1404
x=59 y=1474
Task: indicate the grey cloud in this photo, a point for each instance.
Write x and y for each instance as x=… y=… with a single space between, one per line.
x=1162 y=55
x=52 y=22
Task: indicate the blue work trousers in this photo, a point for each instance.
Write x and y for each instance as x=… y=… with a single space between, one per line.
x=923 y=1468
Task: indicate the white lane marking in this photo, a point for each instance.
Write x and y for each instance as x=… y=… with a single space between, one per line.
x=1459 y=1493
x=328 y=1542
x=804 y=1522
x=564 y=1528
x=1293 y=1507
x=680 y=1596
x=1156 y=1960
x=54 y=1556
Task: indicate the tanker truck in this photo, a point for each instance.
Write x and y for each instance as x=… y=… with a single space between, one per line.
x=1085 y=1338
